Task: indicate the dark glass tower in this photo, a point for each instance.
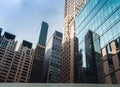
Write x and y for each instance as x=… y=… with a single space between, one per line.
x=39 y=55
x=43 y=34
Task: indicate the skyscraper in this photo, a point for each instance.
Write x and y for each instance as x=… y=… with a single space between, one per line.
x=52 y=61
x=7 y=47
x=43 y=34
x=68 y=53
x=22 y=63
x=103 y=18
x=39 y=55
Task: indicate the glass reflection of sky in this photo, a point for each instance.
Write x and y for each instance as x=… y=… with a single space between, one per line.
x=100 y=16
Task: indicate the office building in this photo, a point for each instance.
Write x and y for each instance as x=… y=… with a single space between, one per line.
x=52 y=61
x=102 y=17
x=15 y=66
x=72 y=7
x=39 y=55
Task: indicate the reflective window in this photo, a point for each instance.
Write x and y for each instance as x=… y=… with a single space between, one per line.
x=101 y=17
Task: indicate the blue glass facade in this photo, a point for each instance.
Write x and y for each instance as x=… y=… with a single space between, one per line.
x=43 y=34
x=101 y=17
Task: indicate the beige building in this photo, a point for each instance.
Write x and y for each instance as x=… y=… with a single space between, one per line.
x=72 y=7
x=15 y=66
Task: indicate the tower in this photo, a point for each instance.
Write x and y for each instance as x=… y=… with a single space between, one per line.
x=43 y=34
x=68 y=53
x=39 y=55
x=52 y=61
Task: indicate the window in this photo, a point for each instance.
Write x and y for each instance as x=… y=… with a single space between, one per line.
x=108 y=48
x=28 y=52
x=117 y=42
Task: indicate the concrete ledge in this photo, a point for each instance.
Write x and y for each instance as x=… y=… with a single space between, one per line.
x=55 y=85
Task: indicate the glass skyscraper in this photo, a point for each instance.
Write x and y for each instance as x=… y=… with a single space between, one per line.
x=43 y=34
x=103 y=18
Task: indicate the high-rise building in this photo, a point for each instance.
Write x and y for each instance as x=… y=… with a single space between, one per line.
x=52 y=61
x=68 y=53
x=25 y=55
x=102 y=17
x=15 y=66
x=7 y=46
x=39 y=55
x=43 y=34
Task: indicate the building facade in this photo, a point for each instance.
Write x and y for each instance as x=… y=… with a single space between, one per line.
x=15 y=66
x=103 y=18
x=25 y=54
x=7 y=46
x=68 y=53
x=52 y=61
x=36 y=75
x=111 y=62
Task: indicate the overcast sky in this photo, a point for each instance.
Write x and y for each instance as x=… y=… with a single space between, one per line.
x=23 y=17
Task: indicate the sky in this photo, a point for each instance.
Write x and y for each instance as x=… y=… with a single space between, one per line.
x=23 y=18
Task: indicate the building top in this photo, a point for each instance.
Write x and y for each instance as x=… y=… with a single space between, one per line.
x=44 y=23
x=9 y=36
x=27 y=44
x=58 y=33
